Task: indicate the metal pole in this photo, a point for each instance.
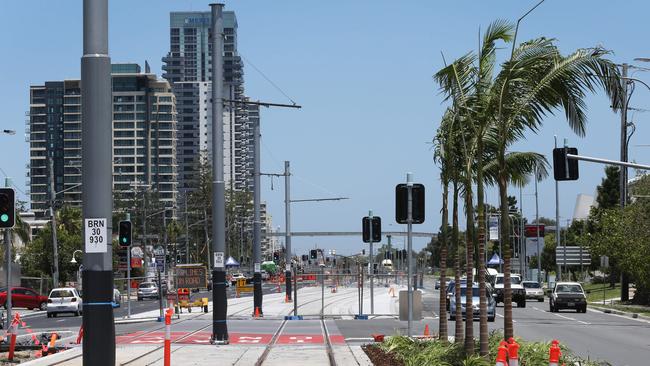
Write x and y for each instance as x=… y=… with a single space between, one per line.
x=295 y=294
x=371 y=269
x=557 y=223
x=128 y=276
x=287 y=219
x=207 y=238
x=539 y=253
x=522 y=238
x=187 y=233
x=99 y=337
x=55 y=246
x=409 y=225
x=219 y=297
x=8 y=274
x=160 y=296
x=145 y=265
x=623 y=170
x=322 y=290
x=257 y=229
x=165 y=244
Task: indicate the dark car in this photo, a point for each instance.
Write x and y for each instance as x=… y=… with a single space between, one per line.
x=568 y=295
x=23 y=297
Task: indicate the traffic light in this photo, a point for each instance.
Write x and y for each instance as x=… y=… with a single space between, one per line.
x=125 y=234
x=276 y=256
x=313 y=254
x=376 y=229
x=304 y=257
x=7 y=208
x=401 y=203
x=564 y=168
x=363 y=252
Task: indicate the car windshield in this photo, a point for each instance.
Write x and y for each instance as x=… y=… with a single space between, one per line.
x=569 y=288
x=147 y=285
x=531 y=285
x=61 y=293
x=513 y=280
x=475 y=291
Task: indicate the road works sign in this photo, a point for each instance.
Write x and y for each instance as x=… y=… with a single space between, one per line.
x=191 y=276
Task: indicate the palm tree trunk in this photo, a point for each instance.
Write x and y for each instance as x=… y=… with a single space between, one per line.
x=442 y=329
x=483 y=326
x=469 y=292
x=442 y=326
x=459 y=337
x=508 y=330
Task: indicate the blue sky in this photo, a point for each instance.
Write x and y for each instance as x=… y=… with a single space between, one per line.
x=362 y=72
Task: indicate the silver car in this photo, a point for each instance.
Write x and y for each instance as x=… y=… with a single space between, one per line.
x=491 y=304
x=147 y=290
x=533 y=290
x=63 y=300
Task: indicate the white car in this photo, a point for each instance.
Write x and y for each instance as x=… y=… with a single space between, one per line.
x=518 y=291
x=533 y=290
x=117 y=298
x=64 y=300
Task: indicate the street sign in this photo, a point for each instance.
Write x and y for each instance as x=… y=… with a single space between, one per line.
x=96 y=235
x=575 y=256
x=219 y=260
x=401 y=203
x=564 y=168
x=530 y=231
x=191 y=276
x=493 y=226
x=604 y=261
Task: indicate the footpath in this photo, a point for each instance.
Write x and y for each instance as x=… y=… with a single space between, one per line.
x=268 y=340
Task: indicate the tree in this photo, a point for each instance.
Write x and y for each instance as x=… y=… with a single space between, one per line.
x=609 y=188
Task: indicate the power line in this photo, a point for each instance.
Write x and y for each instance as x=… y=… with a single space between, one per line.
x=267 y=79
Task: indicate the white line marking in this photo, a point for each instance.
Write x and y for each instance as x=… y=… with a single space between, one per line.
x=621 y=316
x=575 y=320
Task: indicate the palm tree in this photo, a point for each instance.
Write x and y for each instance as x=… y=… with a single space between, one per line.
x=535 y=82
x=441 y=156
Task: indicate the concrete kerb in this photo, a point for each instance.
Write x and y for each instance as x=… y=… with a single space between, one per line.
x=621 y=313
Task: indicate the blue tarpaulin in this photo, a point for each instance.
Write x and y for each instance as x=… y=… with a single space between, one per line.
x=231 y=262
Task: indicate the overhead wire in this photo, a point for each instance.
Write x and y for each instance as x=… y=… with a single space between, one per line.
x=267 y=78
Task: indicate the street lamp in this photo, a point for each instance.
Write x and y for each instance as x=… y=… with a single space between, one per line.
x=74 y=260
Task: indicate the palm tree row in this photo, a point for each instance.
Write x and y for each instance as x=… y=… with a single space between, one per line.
x=489 y=111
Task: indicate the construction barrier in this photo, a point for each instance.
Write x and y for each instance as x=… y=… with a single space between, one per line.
x=168 y=336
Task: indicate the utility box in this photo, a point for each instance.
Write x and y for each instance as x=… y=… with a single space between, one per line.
x=403 y=305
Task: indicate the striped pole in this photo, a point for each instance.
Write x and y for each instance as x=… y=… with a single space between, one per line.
x=168 y=336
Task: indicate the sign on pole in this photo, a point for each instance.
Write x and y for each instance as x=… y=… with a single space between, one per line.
x=96 y=235
x=219 y=260
x=575 y=256
x=493 y=227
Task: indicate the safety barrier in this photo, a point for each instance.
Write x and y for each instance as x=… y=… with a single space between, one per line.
x=168 y=336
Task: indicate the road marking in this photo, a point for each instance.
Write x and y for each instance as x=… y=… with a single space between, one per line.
x=501 y=316
x=621 y=316
x=568 y=318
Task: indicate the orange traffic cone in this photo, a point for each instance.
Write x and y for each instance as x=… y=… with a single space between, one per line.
x=286 y=298
x=426 y=330
x=257 y=312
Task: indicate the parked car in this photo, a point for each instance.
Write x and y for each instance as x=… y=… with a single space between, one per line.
x=64 y=300
x=491 y=303
x=23 y=297
x=568 y=295
x=518 y=291
x=147 y=290
x=451 y=285
x=533 y=290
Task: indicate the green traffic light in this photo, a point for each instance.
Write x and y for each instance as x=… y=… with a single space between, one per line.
x=123 y=240
x=4 y=218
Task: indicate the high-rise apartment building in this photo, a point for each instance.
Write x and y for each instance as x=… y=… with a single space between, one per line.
x=144 y=137
x=188 y=67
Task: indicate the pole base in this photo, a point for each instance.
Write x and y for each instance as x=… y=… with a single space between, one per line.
x=361 y=317
x=293 y=317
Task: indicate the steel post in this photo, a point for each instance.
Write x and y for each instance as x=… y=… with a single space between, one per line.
x=539 y=251
x=55 y=245
x=219 y=298
x=557 y=223
x=257 y=223
x=409 y=225
x=8 y=303
x=623 y=169
x=371 y=269
x=287 y=218
x=99 y=337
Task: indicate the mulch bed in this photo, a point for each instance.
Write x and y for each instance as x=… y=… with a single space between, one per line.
x=379 y=357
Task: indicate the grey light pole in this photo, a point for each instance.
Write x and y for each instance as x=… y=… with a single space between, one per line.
x=539 y=253
x=623 y=170
x=557 y=222
x=55 y=246
x=8 y=238
x=371 y=267
x=99 y=329
x=257 y=229
x=219 y=299
x=287 y=218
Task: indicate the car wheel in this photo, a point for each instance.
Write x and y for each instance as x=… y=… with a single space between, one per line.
x=491 y=319
x=49 y=315
x=521 y=304
x=77 y=313
x=43 y=306
x=53 y=315
x=452 y=318
x=540 y=300
x=584 y=310
x=550 y=308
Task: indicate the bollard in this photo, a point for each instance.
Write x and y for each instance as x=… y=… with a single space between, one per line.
x=168 y=337
x=80 y=335
x=13 y=329
x=502 y=355
x=513 y=352
x=12 y=346
x=554 y=353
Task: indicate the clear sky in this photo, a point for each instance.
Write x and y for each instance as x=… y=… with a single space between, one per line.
x=362 y=72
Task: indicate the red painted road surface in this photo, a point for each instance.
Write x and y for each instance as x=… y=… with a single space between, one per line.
x=235 y=338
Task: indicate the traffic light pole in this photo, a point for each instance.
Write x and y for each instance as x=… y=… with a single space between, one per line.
x=257 y=229
x=128 y=274
x=8 y=265
x=287 y=219
x=371 y=271
x=99 y=328
x=219 y=298
x=409 y=225
x=55 y=246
